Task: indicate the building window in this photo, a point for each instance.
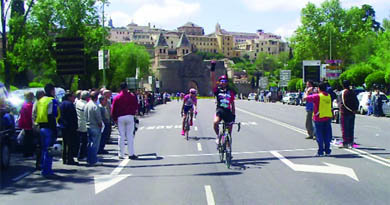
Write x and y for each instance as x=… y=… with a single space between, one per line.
x=269 y=49
x=261 y=49
x=183 y=51
x=187 y=51
x=164 y=51
x=160 y=50
x=257 y=50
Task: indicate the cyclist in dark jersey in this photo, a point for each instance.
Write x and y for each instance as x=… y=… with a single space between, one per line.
x=225 y=102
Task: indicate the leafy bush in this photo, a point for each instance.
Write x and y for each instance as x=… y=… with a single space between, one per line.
x=376 y=78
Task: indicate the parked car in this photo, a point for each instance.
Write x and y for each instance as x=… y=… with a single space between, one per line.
x=290 y=98
x=5 y=133
x=363 y=102
x=252 y=96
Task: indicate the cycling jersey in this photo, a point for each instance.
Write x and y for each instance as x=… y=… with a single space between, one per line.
x=224 y=97
x=190 y=101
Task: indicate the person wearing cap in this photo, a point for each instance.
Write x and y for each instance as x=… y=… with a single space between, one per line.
x=82 y=125
x=189 y=105
x=69 y=124
x=226 y=110
x=348 y=104
x=322 y=117
x=123 y=109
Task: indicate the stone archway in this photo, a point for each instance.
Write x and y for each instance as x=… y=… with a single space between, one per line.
x=193 y=84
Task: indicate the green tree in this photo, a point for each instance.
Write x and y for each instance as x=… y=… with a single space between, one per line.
x=34 y=49
x=375 y=78
x=292 y=84
x=357 y=74
x=124 y=59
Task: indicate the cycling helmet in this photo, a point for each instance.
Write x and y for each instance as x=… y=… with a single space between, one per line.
x=222 y=77
x=193 y=90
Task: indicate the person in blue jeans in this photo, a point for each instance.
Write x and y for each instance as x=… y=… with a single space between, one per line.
x=94 y=125
x=322 y=118
x=47 y=113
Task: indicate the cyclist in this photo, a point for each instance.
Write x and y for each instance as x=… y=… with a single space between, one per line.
x=189 y=103
x=226 y=110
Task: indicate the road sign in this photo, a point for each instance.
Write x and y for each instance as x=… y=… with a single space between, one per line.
x=106 y=58
x=263 y=82
x=150 y=80
x=311 y=70
x=70 y=58
x=132 y=83
x=285 y=77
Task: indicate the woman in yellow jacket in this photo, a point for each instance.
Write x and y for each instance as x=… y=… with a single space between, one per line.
x=322 y=116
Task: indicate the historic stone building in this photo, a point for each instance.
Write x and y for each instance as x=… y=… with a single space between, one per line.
x=179 y=75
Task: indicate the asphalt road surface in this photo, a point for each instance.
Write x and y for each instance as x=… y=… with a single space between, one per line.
x=273 y=164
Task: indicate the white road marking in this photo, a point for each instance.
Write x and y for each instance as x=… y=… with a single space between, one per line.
x=21 y=176
x=150 y=127
x=235 y=153
x=196 y=128
x=369 y=156
x=141 y=128
x=209 y=195
x=169 y=126
x=328 y=169
x=159 y=127
x=177 y=126
x=353 y=150
x=199 y=147
x=103 y=182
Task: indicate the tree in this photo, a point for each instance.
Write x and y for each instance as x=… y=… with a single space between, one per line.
x=357 y=74
x=292 y=84
x=124 y=59
x=34 y=48
x=375 y=78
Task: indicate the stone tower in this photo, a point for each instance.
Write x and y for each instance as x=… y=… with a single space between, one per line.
x=183 y=47
x=160 y=48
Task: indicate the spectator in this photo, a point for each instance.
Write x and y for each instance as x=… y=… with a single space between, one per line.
x=309 y=112
x=69 y=125
x=93 y=120
x=349 y=105
x=322 y=118
x=78 y=96
x=38 y=95
x=369 y=104
x=82 y=125
x=103 y=101
x=26 y=123
x=47 y=115
x=123 y=110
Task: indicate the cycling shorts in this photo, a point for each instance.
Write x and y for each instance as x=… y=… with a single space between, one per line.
x=187 y=108
x=225 y=114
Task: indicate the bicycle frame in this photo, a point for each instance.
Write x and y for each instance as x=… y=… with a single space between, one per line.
x=225 y=148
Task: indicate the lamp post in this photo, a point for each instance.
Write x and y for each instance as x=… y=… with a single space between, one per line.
x=104 y=38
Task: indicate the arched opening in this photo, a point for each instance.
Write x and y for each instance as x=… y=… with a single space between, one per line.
x=193 y=84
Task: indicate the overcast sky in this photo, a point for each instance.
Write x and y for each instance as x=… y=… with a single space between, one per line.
x=276 y=16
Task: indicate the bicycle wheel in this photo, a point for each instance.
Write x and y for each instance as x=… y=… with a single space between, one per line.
x=228 y=151
x=187 y=127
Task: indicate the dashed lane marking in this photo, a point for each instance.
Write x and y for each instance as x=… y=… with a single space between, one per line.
x=209 y=195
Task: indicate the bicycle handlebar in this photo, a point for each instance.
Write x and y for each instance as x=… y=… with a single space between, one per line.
x=233 y=123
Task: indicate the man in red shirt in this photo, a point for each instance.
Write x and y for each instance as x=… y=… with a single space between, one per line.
x=124 y=107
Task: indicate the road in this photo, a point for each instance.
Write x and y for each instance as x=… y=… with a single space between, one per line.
x=273 y=164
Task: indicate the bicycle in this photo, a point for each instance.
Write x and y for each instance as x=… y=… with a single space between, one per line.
x=187 y=125
x=225 y=145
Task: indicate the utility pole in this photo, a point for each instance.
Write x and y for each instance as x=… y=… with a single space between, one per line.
x=330 y=45
x=104 y=53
